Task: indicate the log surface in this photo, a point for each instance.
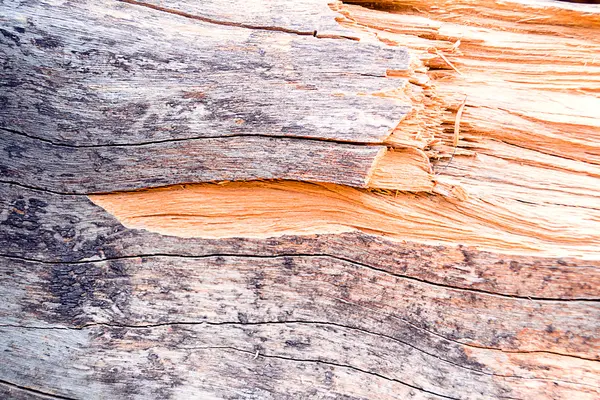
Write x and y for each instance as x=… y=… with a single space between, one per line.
x=147 y=315
x=98 y=76
x=328 y=281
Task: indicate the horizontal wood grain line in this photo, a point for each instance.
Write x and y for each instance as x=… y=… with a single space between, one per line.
x=38 y=393
x=115 y=168
x=414 y=387
x=269 y=356
x=254 y=323
x=205 y=267
x=315 y=323
x=126 y=339
x=349 y=367
x=180 y=13
x=193 y=138
x=43 y=165
x=315 y=255
x=42 y=190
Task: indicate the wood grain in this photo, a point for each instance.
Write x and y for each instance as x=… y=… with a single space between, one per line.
x=538 y=63
x=299 y=359
x=116 y=168
x=271 y=209
x=98 y=76
x=126 y=291
x=377 y=293
x=48 y=227
x=314 y=326
x=103 y=96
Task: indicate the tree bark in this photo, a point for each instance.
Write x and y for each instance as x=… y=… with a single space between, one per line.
x=283 y=200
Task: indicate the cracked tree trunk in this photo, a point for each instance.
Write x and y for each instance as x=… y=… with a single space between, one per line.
x=289 y=200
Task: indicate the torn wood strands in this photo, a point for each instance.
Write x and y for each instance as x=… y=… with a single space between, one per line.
x=488 y=148
x=272 y=200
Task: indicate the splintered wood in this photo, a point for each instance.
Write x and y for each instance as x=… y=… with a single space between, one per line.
x=249 y=199
x=264 y=209
x=503 y=140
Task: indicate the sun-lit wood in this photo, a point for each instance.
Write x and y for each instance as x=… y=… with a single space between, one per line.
x=294 y=199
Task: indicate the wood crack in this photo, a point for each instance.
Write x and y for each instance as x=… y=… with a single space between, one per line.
x=414 y=387
x=44 y=190
x=555 y=204
x=349 y=367
x=97 y=169
x=38 y=393
x=304 y=322
x=481 y=347
x=300 y=322
x=193 y=138
x=316 y=255
x=229 y=323
x=184 y=14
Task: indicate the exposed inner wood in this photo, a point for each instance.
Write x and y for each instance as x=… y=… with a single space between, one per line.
x=516 y=171
x=530 y=82
x=402 y=169
x=268 y=209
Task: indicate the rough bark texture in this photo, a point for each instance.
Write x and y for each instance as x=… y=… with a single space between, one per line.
x=482 y=283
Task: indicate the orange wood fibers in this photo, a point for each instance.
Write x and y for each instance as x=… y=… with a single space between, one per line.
x=525 y=176
x=269 y=209
x=530 y=70
x=406 y=169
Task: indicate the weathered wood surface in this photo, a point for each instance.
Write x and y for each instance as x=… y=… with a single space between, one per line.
x=99 y=76
x=103 y=96
x=63 y=169
x=118 y=93
x=66 y=169
x=443 y=317
x=126 y=292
